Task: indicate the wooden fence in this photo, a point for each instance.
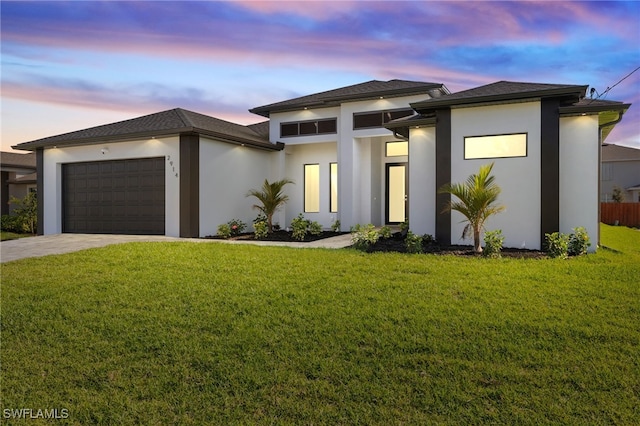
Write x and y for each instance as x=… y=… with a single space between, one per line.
x=625 y=214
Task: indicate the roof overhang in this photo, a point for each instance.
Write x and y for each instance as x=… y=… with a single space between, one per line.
x=47 y=144
x=572 y=93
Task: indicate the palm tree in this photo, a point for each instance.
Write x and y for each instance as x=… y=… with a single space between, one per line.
x=271 y=197
x=477 y=197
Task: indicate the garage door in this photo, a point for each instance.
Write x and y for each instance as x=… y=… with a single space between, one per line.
x=114 y=197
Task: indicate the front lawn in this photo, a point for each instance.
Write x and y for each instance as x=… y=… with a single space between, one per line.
x=208 y=333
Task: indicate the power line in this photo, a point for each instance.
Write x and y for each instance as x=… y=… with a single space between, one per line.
x=609 y=88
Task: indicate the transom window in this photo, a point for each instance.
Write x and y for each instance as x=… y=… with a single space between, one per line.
x=312 y=127
x=397 y=149
x=368 y=120
x=495 y=146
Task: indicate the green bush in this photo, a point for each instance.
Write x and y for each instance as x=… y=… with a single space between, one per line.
x=404 y=226
x=315 y=228
x=224 y=231
x=236 y=226
x=335 y=226
x=385 y=232
x=428 y=239
x=11 y=224
x=413 y=243
x=493 y=243
x=579 y=242
x=363 y=237
x=26 y=213
x=557 y=245
x=261 y=229
x=299 y=227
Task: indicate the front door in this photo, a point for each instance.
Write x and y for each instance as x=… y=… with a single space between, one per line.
x=396 y=191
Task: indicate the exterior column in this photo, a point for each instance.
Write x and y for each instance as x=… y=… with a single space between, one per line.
x=40 y=189
x=549 y=168
x=189 y=185
x=443 y=175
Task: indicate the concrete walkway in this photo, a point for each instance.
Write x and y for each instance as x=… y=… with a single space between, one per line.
x=66 y=243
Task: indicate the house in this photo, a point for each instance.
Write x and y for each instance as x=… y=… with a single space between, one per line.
x=17 y=177
x=374 y=152
x=620 y=169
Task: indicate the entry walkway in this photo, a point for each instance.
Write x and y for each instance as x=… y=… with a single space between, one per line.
x=66 y=243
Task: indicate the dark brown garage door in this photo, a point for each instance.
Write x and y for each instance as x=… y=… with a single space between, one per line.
x=114 y=197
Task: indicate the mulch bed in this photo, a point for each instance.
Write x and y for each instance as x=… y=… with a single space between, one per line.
x=394 y=244
x=281 y=235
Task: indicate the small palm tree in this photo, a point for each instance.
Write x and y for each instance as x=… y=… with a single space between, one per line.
x=477 y=198
x=271 y=197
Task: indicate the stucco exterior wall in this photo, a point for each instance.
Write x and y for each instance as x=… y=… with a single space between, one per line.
x=167 y=147
x=295 y=158
x=519 y=177
x=422 y=180
x=579 y=166
x=227 y=173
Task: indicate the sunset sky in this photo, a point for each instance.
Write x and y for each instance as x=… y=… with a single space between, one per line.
x=71 y=65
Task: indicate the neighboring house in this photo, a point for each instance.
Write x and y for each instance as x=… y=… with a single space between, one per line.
x=17 y=177
x=620 y=169
x=374 y=152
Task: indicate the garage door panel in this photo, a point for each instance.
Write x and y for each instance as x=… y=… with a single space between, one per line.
x=122 y=196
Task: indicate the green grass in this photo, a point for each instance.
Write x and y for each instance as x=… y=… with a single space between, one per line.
x=6 y=236
x=197 y=333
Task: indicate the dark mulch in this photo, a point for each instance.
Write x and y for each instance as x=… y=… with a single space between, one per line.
x=394 y=244
x=283 y=236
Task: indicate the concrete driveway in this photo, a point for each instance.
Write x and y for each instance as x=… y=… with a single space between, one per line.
x=66 y=243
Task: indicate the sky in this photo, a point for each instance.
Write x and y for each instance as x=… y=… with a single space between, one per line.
x=70 y=65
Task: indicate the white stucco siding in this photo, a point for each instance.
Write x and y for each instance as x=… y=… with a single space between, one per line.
x=422 y=180
x=167 y=147
x=579 y=166
x=227 y=173
x=519 y=177
x=296 y=157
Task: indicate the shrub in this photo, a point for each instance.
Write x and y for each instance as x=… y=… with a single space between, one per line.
x=404 y=226
x=261 y=229
x=224 y=230
x=11 y=224
x=413 y=243
x=315 y=228
x=335 y=226
x=385 y=232
x=493 y=243
x=299 y=227
x=557 y=245
x=428 y=239
x=26 y=212
x=363 y=237
x=579 y=242
x=236 y=226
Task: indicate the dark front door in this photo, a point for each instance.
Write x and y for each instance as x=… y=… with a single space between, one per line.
x=114 y=197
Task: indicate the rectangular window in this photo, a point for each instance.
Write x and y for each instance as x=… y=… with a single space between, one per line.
x=311 y=188
x=495 y=146
x=333 y=187
x=305 y=128
x=396 y=149
x=370 y=120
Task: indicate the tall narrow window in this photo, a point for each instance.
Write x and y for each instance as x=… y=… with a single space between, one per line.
x=333 y=187
x=311 y=188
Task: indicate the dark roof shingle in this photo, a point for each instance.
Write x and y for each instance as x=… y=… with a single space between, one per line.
x=611 y=152
x=163 y=123
x=14 y=159
x=363 y=91
x=502 y=91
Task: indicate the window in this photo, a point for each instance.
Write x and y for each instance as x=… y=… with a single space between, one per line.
x=333 y=187
x=396 y=149
x=495 y=146
x=311 y=188
x=305 y=128
x=368 y=120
